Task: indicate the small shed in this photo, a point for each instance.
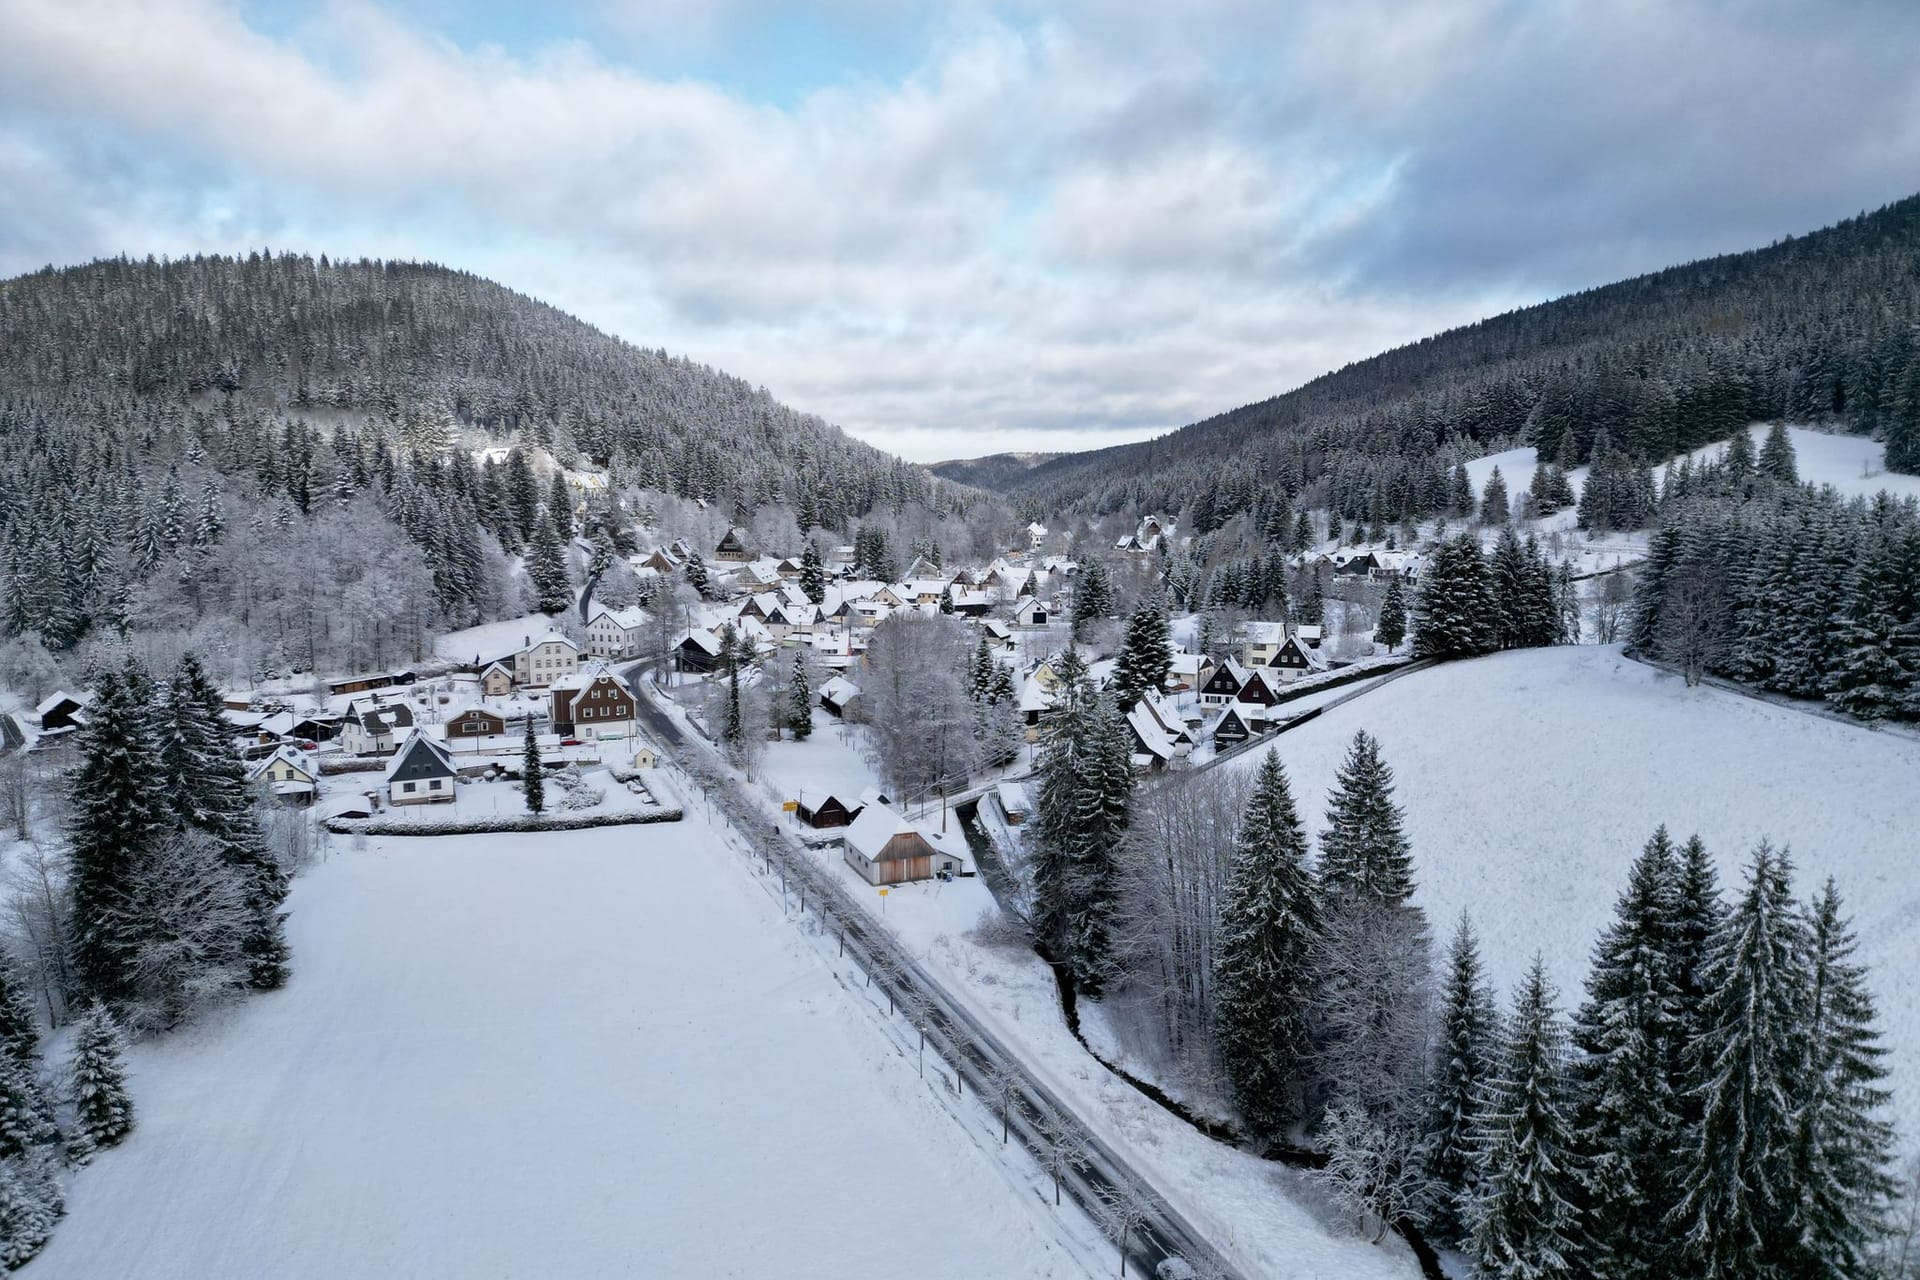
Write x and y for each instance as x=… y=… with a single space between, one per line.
x=823 y=809
x=1013 y=801
x=837 y=695
x=646 y=758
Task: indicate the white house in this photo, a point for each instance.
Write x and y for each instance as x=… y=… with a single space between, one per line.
x=289 y=774
x=617 y=633
x=540 y=662
x=1036 y=534
x=375 y=726
x=1029 y=612
x=886 y=848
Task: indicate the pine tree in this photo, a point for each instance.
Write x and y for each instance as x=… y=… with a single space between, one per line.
x=1739 y=1205
x=1776 y=456
x=26 y=1219
x=1145 y=655
x=532 y=780
x=800 y=701
x=1845 y=1144
x=1364 y=852
x=1525 y=1217
x=1630 y=1031
x=1460 y=491
x=113 y=820
x=1392 y=629
x=813 y=574
x=1263 y=978
x=697 y=576
x=102 y=1106
x=1463 y=1068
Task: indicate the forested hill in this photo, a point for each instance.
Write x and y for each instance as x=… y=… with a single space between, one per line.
x=995 y=471
x=278 y=461
x=410 y=342
x=1817 y=328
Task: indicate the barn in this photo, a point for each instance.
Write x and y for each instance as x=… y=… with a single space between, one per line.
x=885 y=848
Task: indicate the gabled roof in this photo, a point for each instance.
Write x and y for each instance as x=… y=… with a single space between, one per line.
x=869 y=834
x=420 y=757
x=287 y=755
x=628 y=619
x=839 y=691
x=53 y=700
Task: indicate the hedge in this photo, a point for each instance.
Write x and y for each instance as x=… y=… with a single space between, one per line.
x=480 y=826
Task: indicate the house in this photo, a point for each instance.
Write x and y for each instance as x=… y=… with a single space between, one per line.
x=733 y=546
x=421 y=773
x=375 y=726
x=497 y=680
x=1223 y=685
x=1159 y=737
x=616 y=633
x=63 y=710
x=1259 y=689
x=838 y=694
x=594 y=702
x=1029 y=612
x=288 y=774
x=1013 y=801
x=1037 y=701
x=662 y=561
x=1036 y=534
x=539 y=663
x=821 y=809
x=886 y=848
x=475 y=721
x=972 y=604
x=646 y=758
x=1189 y=672
x=1360 y=565
x=1293 y=659
x=698 y=651
x=999 y=635
x=1235 y=725
x=361 y=684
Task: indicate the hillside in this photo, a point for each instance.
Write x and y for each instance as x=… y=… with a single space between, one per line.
x=1816 y=328
x=1521 y=812
x=293 y=464
x=995 y=471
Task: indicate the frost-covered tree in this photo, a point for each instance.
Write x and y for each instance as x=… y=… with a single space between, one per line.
x=97 y=1077
x=1392 y=629
x=533 y=786
x=1493 y=501
x=1093 y=598
x=1364 y=851
x=1264 y=979
x=1740 y=1212
x=1146 y=654
x=1463 y=1066
x=800 y=699
x=813 y=574
x=1525 y=1216
x=1454 y=614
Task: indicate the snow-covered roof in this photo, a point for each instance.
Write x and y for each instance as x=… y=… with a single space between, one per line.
x=420 y=757
x=869 y=834
x=1013 y=797
x=54 y=699
x=288 y=755
x=630 y=618
x=839 y=691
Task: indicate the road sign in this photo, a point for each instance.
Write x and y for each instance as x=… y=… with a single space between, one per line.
x=789 y=806
x=883 y=893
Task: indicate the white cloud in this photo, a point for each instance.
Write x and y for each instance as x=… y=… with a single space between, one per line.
x=1063 y=224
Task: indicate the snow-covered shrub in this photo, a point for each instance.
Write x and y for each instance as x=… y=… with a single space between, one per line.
x=575 y=793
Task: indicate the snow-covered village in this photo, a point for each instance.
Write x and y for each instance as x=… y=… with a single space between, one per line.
x=772 y=717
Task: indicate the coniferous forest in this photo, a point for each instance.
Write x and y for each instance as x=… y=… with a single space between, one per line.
x=1816 y=328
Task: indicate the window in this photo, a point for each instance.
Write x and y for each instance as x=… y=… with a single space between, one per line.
x=434 y=785
x=407 y=787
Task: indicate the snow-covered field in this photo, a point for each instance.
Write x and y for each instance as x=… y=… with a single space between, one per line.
x=1531 y=779
x=603 y=1054
x=1854 y=465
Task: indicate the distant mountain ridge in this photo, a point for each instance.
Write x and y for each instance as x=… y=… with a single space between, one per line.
x=995 y=471
x=1819 y=327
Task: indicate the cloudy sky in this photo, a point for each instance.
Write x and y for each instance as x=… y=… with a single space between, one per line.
x=962 y=229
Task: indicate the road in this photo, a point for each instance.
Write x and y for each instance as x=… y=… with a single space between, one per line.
x=975 y=1053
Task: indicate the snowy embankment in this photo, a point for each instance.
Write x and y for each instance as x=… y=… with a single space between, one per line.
x=1855 y=466
x=1531 y=779
x=523 y=1056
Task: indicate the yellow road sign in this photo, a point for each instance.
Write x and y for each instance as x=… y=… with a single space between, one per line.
x=883 y=893
x=789 y=806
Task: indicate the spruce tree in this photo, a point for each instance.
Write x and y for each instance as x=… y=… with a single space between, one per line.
x=813 y=574
x=800 y=701
x=1093 y=600
x=209 y=790
x=1844 y=1142
x=114 y=818
x=1364 y=852
x=1493 y=501
x=1629 y=1031
x=1776 y=456
x=1392 y=629
x=102 y=1106
x=1463 y=1067
x=1525 y=1217
x=533 y=784
x=1738 y=1211
x=26 y=1218
x=1145 y=655
x=19 y=1028
x=547 y=570
x=1263 y=972
x=697 y=576
x=1454 y=615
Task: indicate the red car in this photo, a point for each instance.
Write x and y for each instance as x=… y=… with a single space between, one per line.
x=570 y=742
